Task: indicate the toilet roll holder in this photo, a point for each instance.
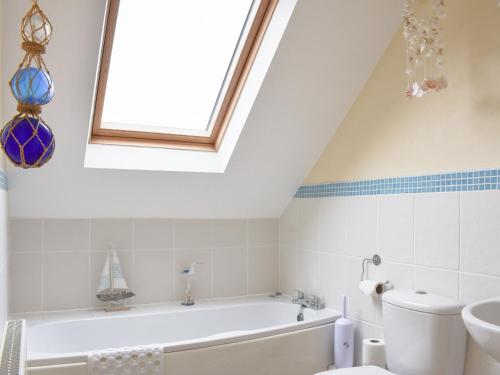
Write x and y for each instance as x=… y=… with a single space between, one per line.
x=376 y=260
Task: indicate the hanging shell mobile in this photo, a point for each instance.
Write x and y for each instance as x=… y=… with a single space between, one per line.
x=424 y=49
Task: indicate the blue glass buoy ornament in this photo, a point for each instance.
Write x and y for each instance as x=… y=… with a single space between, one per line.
x=28 y=141
x=32 y=85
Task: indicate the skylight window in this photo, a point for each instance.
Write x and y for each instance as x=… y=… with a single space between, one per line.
x=171 y=71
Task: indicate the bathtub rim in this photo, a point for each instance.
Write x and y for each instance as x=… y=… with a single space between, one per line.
x=328 y=316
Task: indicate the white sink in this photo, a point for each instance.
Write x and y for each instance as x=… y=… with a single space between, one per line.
x=482 y=320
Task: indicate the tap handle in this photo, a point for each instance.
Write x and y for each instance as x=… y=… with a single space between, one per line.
x=300 y=294
x=315 y=301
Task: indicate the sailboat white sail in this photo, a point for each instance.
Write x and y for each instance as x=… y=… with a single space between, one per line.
x=112 y=286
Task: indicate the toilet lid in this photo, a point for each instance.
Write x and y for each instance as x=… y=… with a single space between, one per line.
x=364 y=370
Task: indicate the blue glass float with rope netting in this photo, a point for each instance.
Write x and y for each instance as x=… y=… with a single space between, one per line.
x=32 y=86
x=27 y=140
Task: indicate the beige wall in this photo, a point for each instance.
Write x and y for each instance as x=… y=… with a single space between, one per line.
x=385 y=134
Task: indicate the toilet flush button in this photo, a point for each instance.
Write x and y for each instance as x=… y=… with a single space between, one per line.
x=421 y=292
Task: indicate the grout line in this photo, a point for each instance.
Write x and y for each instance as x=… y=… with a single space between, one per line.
x=295 y=226
x=42 y=265
x=280 y=289
x=139 y=250
x=133 y=277
x=89 y=302
x=414 y=240
x=378 y=245
x=459 y=291
x=496 y=277
x=212 y=273
x=212 y=251
x=377 y=250
x=247 y=260
x=174 y=283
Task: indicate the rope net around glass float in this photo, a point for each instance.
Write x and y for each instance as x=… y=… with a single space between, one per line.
x=26 y=139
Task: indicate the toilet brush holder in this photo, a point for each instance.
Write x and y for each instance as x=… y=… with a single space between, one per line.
x=344 y=339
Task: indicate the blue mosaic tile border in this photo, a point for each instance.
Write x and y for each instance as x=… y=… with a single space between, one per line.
x=460 y=181
x=3 y=180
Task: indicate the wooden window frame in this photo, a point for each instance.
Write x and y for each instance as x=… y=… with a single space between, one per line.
x=212 y=142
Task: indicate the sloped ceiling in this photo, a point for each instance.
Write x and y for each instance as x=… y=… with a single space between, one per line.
x=327 y=54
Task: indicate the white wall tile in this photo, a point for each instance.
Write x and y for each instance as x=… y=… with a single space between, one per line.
x=333 y=270
x=399 y=275
x=201 y=281
x=419 y=238
x=4 y=232
x=474 y=288
x=193 y=234
x=97 y=261
x=308 y=278
x=105 y=232
x=4 y=242
x=229 y=233
x=480 y=232
x=263 y=232
x=333 y=224
x=287 y=270
x=308 y=224
x=229 y=272
x=437 y=230
x=25 y=280
x=360 y=306
x=152 y=254
x=66 y=280
x=66 y=235
x=25 y=235
x=262 y=269
x=288 y=225
x=361 y=231
x=438 y=281
x=153 y=276
x=4 y=297
x=395 y=227
x=153 y=234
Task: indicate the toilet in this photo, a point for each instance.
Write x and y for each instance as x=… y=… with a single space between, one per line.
x=424 y=335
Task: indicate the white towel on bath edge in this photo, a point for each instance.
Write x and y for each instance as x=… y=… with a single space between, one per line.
x=137 y=360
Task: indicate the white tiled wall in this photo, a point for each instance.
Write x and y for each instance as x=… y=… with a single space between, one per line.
x=3 y=257
x=56 y=264
x=446 y=243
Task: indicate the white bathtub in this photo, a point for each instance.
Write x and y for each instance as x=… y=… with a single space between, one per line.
x=196 y=339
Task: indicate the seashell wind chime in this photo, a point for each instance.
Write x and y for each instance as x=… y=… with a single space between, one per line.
x=424 y=48
x=27 y=140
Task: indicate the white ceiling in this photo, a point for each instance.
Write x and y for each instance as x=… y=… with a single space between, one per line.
x=327 y=53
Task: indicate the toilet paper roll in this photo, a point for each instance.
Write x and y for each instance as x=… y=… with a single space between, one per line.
x=371 y=287
x=373 y=352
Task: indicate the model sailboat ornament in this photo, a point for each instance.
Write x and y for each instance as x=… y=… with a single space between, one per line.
x=112 y=286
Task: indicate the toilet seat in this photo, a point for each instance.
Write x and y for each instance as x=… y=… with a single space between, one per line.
x=364 y=370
